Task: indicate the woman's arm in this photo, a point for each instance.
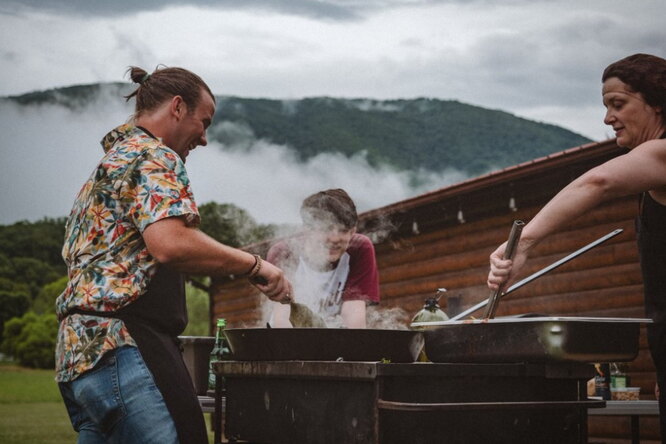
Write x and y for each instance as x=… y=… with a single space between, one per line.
x=642 y=169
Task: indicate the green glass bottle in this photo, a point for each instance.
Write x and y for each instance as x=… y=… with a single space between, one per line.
x=220 y=351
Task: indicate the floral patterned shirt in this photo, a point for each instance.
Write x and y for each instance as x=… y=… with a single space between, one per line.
x=139 y=181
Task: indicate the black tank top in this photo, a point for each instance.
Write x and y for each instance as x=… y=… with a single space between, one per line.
x=651 y=238
x=651 y=235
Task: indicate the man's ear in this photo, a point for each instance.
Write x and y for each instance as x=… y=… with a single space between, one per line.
x=177 y=107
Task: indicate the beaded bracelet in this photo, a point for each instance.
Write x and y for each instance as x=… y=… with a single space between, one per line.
x=256 y=268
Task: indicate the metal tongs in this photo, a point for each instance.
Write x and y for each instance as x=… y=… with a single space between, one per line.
x=514 y=237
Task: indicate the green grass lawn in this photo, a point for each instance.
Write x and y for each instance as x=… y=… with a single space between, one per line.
x=31 y=409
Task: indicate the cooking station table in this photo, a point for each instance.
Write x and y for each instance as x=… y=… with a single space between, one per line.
x=373 y=402
x=633 y=409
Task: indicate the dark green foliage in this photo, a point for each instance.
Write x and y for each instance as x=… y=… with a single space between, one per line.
x=33 y=272
x=31 y=339
x=12 y=304
x=232 y=225
x=45 y=300
x=10 y=285
x=197 y=311
x=41 y=240
x=29 y=260
x=15 y=300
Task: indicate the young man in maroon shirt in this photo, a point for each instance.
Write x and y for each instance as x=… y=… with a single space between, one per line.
x=332 y=268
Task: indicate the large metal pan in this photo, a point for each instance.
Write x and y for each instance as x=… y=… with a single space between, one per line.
x=324 y=344
x=539 y=339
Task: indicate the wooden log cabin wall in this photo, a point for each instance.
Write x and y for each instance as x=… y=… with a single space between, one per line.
x=444 y=238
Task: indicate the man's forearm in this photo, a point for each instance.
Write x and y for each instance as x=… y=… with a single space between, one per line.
x=189 y=250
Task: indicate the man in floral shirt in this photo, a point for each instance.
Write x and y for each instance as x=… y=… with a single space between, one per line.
x=130 y=235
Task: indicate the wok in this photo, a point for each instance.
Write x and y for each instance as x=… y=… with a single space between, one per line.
x=538 y=339
x=324 y=344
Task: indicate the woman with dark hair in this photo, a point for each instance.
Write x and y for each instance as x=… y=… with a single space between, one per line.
x=130 y=236
x=634 y=94
x=332 y=267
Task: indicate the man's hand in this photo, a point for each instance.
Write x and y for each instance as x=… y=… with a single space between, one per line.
x=272 y=282
x=189 y=250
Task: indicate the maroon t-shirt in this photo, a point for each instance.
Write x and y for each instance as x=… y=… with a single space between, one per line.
x=363 y=280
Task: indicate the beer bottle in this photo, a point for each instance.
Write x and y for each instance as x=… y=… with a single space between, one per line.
x=220 y=351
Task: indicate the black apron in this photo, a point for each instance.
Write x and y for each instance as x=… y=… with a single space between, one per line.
x=154 y=321
x=651 y=236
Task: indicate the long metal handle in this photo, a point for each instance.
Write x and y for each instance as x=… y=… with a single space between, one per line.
x=514 y=405
x=528 y=279
x=514 y=237
x=562 y=261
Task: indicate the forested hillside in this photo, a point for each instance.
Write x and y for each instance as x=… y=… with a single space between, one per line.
x=408 y=134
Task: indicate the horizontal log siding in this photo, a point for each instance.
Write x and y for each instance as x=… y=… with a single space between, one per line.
x=442 y=252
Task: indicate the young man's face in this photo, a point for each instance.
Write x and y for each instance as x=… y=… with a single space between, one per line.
x=325 y=243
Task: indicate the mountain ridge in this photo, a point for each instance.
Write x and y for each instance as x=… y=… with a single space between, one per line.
x=407 y=134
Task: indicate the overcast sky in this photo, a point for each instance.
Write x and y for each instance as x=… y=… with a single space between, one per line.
x=537 y=59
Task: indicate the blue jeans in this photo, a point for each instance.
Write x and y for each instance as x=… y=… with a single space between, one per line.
x=118 y=402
